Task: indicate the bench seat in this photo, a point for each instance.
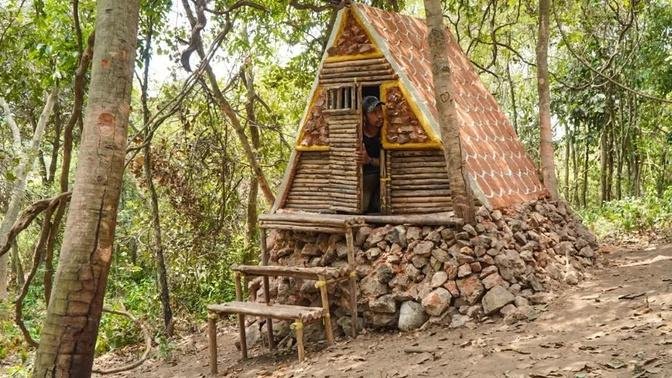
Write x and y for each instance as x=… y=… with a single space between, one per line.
x=278 y=311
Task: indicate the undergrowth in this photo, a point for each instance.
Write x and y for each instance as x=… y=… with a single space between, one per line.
x=647 y=214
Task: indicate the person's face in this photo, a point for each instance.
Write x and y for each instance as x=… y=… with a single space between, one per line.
x=375 y=118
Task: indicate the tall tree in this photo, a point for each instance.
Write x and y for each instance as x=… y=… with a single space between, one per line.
x=153 y=200
x=69 y=333
x=20 y=178
x=445 y=103
x=546 y=141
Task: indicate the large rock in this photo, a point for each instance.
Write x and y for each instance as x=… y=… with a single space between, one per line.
x=384 y=304
x=411 y=316
x=496 y=298
x=380 y=319
x=439 y=278
x=493 y=280
x=423 y=248
x=384 y=273
x=463 y=271
x=372 y=287
x=471 y=289
x=440 y=255
x=437 y=301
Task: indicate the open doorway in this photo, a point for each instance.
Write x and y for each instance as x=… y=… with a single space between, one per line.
x=372 y=143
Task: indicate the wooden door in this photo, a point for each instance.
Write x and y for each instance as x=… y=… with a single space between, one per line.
x=345 y=139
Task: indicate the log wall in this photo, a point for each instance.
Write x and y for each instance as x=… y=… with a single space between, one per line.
x=344 y=174
x=363 y=70
x=418 y=182
x=310 y=188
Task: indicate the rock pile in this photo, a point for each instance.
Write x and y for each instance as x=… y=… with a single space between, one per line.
x=412 y=274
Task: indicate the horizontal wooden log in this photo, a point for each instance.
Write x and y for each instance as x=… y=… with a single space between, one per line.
x=345 y=209
x=420 y=193
x=410 y=180
x=439 y=165
x=356 y=68
x=402 y=153
x=326 y=188
x=319 y=172
x=413 y=176
x=420 y=199
x=420 y=212
x=434 y=219
x=418 y=187
x=330 y=186
x=363 y=73
x=352 y=80
x=313 y=273
x=313 y=209
x=420 y=205
x=311 y=154
x=355 y=62
x=410 y=170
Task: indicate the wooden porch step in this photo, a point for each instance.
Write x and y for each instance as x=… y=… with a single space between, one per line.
x=278 y=311
x=312 y=273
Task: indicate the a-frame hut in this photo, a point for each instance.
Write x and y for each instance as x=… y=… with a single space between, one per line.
x=374 y=52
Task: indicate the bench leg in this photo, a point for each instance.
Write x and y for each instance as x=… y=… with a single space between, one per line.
x=326 y=316
x=298 y=330
x=243 y=338
x=212 y=342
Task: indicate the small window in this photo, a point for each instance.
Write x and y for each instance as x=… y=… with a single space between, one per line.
x=342 y=98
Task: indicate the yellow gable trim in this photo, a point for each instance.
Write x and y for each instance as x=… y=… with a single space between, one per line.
x=434 y=140
x=302 y=130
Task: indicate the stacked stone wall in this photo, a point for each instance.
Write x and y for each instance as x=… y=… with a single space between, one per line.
x=410 y=275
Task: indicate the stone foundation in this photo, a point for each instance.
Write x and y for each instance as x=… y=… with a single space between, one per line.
x=409 y=275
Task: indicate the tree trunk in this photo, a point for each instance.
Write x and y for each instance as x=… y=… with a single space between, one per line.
x=25 y=164
x=255 y=138
x=575 y=165
x=567 y=154
x=153 y=200
x=18 y=266
x=70 y=329
x=75 y=117
x=546 y=134
x=448 y=122
x=586 y=156
x=603 y=164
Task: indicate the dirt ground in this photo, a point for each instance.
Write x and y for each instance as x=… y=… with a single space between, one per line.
x=617 y=323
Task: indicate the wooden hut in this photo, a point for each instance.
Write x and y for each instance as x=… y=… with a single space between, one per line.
x=374 y=52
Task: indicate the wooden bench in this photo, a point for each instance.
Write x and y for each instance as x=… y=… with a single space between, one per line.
x=299 y=314
x=301 y=222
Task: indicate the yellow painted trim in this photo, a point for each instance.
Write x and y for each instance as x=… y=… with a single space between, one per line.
x=297 y=145
x=312 y=148
x=433 y=142
x=341 y=58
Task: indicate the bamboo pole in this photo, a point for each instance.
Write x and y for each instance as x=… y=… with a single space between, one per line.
x=298 y=330
x=326 y=315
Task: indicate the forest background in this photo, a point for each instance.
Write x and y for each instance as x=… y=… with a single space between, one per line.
x=190 y=198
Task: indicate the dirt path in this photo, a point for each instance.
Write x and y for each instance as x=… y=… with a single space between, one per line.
x=617 y=324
